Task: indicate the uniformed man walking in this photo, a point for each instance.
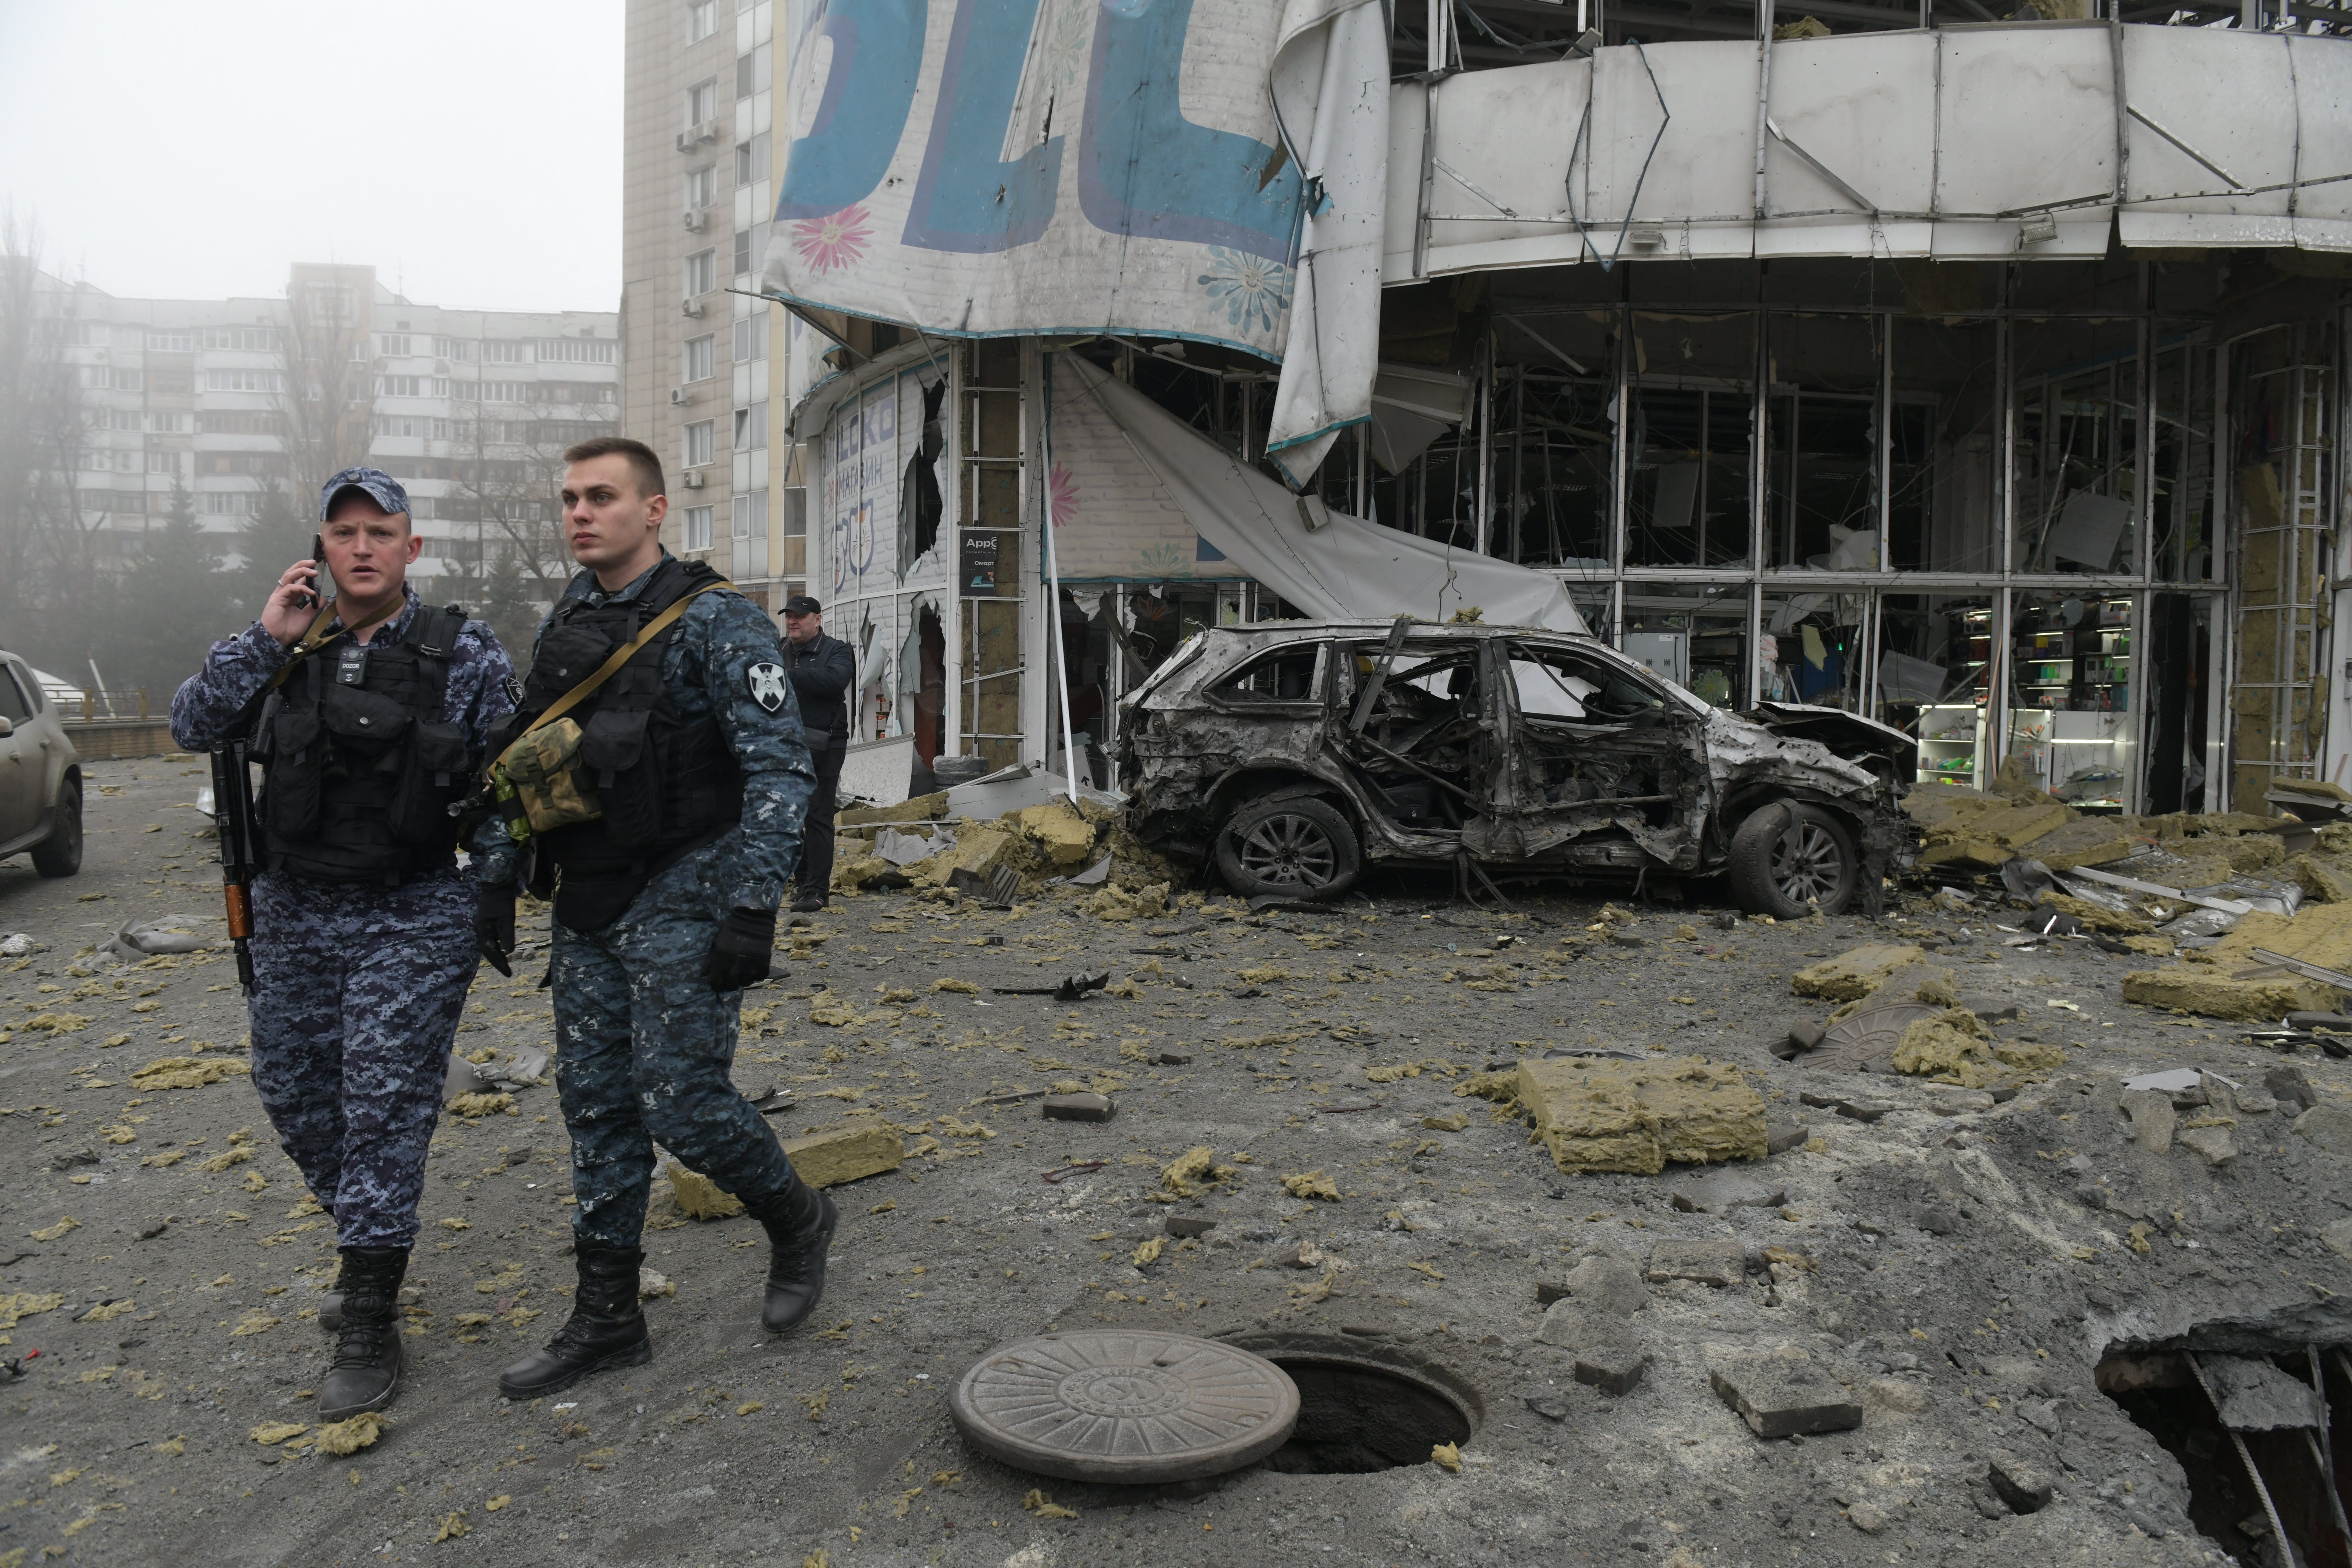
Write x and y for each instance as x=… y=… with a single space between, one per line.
x=821 y=666
x=374 y=712
x=664 y=903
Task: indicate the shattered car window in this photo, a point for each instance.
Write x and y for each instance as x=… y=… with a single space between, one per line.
x=1553 y=683
x=1286 y=675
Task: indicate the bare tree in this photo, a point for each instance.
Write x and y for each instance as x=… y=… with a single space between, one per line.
x=506 y=472
x=325 y=390
x=48 y=555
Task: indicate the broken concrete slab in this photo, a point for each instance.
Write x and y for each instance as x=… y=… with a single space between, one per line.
x=2327 y=1127
x=1596 y=1114
x=1716 y=1263
x=1961 y=1101
x=845 y=1155
x=2214 y=1146
x=2336 y=1237
x=1614 y=1370
x=1571 y=1325
x=1780 y=1137
x=2024 y=1486
x=1854 y=975
x=919 y=808
x=2152 y=1118
x=1721 y=1192
x=1085 y=1107
x=1181 y=1225
x=1543 y=1402
x=1781 y=1392
x=1610 y=1284
x=2252 y=1395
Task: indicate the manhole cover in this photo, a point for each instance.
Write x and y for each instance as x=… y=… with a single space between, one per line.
x=1865 y=1042
x=1105 y=1405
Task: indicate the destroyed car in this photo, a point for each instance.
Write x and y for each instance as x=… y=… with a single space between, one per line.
x=1294 y=753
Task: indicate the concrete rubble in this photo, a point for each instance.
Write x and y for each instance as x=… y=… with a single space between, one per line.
x=1774 y=1279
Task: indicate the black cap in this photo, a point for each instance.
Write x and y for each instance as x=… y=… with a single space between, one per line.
x=802 y=604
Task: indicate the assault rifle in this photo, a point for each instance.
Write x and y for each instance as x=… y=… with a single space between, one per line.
x=233 y=817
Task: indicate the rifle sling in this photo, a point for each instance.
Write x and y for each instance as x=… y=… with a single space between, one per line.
x=613 y=663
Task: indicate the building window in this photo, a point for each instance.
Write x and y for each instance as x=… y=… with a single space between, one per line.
x=395 y=344
x=751 y=428
x=702 y=186
x=702 y=362
x=701 y=272
x=702 y=103
x=751 y=73
x=233 y=503
x=385 y=386
x=576 y=350
x=698 y=528
x=750 y=339
x=260 y=380
x=701 y=20
x=242 y=340
x=453 y=348
x=742 y=250
x=697 y=442
x=171 y=343
x=752 y=515
x=752 y=160
x=511 y=352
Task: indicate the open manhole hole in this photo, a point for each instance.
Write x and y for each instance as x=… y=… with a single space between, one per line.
x=1364 y=1405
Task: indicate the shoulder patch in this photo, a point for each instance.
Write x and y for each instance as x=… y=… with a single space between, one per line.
x=767 y=684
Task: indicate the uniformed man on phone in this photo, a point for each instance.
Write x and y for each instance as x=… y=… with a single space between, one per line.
x=373 y=713
x=657 y=688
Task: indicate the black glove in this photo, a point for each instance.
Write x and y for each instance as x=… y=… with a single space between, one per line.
x=494 y=931
x=741 y=951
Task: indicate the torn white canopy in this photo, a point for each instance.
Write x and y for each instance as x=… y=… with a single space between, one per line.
x=1325 y=562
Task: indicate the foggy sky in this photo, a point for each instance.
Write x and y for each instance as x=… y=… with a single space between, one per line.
x=191 y=149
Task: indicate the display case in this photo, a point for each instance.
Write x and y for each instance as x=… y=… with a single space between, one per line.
x=2071 y=700
x=1952 y=743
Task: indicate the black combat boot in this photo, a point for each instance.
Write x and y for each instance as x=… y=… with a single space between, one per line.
x=365 y=1372
x=799 y=1222
x=607 y=1328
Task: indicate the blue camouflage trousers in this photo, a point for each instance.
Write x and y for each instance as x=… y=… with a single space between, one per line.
x=356 y=997
x=644 y=1049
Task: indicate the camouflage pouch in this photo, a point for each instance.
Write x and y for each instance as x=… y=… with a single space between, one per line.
x=544 y=768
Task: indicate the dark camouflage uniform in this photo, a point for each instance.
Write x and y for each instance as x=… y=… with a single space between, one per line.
x=644 y=1046
x=358 y=988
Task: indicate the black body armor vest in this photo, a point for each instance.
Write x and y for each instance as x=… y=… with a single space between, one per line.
x=361 y=767
x=669 y=785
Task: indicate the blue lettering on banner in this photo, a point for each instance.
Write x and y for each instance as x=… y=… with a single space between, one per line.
x=967 y=198
x=1144 y=169
x=870 y=89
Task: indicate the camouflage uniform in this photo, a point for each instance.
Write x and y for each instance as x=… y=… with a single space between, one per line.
x=358 y=987
x=644 y=1046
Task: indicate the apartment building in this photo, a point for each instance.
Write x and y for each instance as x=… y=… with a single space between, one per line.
x=471 y=409
x=697 y=194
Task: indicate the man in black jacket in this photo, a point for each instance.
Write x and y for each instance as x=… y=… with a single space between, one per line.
x=822 y=670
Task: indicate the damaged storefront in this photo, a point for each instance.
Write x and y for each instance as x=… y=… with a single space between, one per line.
x=1977 y=380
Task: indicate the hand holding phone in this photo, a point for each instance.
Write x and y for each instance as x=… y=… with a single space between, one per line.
x=309 y=600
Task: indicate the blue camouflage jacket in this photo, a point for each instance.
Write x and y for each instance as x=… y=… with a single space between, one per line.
x=706 y=669
x=239 y=667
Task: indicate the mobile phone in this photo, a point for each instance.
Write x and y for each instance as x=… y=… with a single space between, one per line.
x=309 y=601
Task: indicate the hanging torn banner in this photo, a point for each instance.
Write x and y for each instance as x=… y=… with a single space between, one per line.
x=984 y=167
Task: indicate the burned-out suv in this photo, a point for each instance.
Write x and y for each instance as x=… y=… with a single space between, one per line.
x=1293 y=754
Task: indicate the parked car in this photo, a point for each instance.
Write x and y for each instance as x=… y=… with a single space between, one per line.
x=1293 y=755
x=40 y=776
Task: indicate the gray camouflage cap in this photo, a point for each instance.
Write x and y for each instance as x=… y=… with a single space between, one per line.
x=374 y=483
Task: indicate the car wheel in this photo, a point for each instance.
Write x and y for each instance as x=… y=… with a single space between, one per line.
x=1299 y=849
x=1790 y=859
x=59 y=854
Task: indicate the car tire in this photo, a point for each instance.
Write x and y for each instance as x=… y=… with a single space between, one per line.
x=1790 y=857
x=1295 y=848
x=59 y=854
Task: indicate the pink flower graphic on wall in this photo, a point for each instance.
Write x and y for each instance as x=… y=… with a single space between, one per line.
x=1061 y=495
x=835 y=241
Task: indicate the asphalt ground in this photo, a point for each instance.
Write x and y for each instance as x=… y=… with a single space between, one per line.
x=188 y=1260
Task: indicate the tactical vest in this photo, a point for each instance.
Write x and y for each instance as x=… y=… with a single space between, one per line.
x=669 y=784
x=361 y=768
